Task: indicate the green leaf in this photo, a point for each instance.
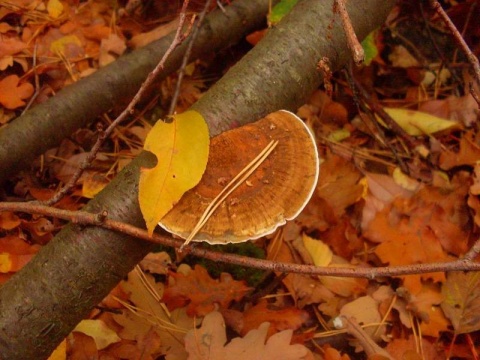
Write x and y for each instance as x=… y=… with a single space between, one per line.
x=181 y=148
x=280 y=10
x=370 y=47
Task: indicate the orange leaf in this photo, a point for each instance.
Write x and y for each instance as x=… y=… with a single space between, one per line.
x=13 y=263
x=15 y=245
x=12 y=94
x=405 y=241
x=11 y=46
x=290 y=318
x=201 y=292
x=8 y=220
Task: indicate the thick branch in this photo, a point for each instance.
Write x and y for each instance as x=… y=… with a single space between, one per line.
x=42 y=303
x=45 y=125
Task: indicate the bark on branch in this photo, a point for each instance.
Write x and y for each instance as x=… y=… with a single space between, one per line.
x=42 y=303
x=45 y=125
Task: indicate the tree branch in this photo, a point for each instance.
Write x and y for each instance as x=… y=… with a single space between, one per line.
x=87 y=218
x=45 y=125
x=43 y=302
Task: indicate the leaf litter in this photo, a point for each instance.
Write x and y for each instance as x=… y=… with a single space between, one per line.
x=366 y=211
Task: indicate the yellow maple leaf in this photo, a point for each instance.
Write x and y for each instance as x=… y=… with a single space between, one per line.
x=181 y=148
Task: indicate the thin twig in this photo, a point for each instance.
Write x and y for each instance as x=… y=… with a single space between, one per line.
x=179 y=37
x=473 y=93
x=379 y=135
x=472 y=59
x=392 y=124
x=186 y=57
x=86 y=218
x=37 y=80
x=473 y=252
x=352 y=40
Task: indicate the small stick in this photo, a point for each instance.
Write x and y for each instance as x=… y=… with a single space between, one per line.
x=458 y=38
x=186 y=57
x=86 y=218
x=473 y=252
x=352 y=40
x=179 y=37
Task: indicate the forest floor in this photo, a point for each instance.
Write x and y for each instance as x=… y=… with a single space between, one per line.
x=384 y=197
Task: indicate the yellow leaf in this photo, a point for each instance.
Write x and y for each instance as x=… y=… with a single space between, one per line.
x=318 y=250
x=419 y=123
x=54 y=8
x=339 y=135
x=5 y=263
x=99 y=331
x=58 y=46
x=405 y=181
x=181 y=148
x=92 y=185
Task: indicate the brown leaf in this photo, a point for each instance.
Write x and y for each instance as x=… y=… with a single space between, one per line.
x=8 y=220
x=461 y=302
x=339 y=184
x=281 y=319
x=82 y=347
x=208 y=342
x=425 y=305
x=468 y=154
x=409 y=349
x=200 y=293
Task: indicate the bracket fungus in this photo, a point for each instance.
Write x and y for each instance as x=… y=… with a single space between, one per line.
x=277 y=189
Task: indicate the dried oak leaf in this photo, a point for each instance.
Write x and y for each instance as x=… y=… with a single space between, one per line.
x=11 y=46
x=12 y=94
x=408 y=349
x=201 y=292
x=339 y=184
x=461 y=302
x=208 y=342
x=425 y=305
x=468 y=154
x=282 y=319
x=405 y=241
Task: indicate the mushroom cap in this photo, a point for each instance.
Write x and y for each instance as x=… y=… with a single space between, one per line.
x=275 y=192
